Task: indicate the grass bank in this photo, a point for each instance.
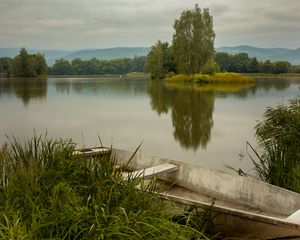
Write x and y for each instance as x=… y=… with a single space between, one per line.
x=216 y=78
x=47 y=192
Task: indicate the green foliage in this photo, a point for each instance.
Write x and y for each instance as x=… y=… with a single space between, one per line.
x=27 y=65
x=223 y=60
x=281 y=67
x=6 y=66
x=23 y=65
x=95 y=66
x=242 y=63
x=253 y=65
x=267 y=67
x=210 y=68
x=193 y=40
x=41 y=67
x=295 y=69
x=160 y=60
x=278 y=137
x=62 y=67
x=47 y=192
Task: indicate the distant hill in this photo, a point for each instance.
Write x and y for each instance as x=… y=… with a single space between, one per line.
x=50 y=55
x=109 y=53
x=273 y=54
x=106 y=53
x=9 y=52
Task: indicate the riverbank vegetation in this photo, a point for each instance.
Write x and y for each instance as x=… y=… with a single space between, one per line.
x=47 y=192
x=98 y=67
x=278 y=152
x=26 y=65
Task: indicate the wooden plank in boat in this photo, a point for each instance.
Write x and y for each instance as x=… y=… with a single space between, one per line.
x=294 y=218
x=92 y=151
x=152 y=171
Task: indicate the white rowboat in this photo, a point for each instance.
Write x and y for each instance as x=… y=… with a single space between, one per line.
x=246 y=207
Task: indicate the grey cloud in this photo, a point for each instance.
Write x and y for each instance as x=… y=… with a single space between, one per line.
x=219 y=10
x=68 y=24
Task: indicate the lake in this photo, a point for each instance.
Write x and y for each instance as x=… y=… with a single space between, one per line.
x=203 y=125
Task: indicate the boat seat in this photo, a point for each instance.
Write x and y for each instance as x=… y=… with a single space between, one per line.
x=294 y=218
x=92 y=151
x=152 y=171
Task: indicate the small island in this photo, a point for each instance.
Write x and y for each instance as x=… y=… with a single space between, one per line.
x=191 y=57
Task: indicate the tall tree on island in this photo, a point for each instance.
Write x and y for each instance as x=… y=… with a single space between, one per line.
x=193 y=40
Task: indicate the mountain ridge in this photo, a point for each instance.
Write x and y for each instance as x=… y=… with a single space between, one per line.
x=262 y=54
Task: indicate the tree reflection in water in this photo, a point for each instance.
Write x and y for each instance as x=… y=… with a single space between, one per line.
x=25 y=88
x=191 y=112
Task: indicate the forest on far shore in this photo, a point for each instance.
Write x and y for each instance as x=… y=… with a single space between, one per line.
x=32 y=65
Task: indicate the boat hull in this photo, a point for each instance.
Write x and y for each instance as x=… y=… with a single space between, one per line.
x=243 y=207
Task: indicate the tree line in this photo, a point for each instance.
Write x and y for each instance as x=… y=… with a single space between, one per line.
x=24 y=65
x=242 y=63
x=162 y=59
x=95 y=66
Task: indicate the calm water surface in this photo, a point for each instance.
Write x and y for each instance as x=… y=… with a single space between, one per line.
x=204 y=126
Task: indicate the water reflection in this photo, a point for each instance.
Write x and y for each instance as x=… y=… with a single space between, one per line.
x=268 y=84
x=101 y=85
x=191 y=112
x=191 y=107
x=25 y=89
x=218 y=118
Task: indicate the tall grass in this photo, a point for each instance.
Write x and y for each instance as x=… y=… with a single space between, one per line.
x=47 y=192
x=278 y=138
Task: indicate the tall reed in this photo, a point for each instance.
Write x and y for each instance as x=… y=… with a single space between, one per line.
x=47 y=192
x=278 y=138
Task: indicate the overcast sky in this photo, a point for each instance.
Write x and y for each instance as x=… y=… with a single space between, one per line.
x=78 y=24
